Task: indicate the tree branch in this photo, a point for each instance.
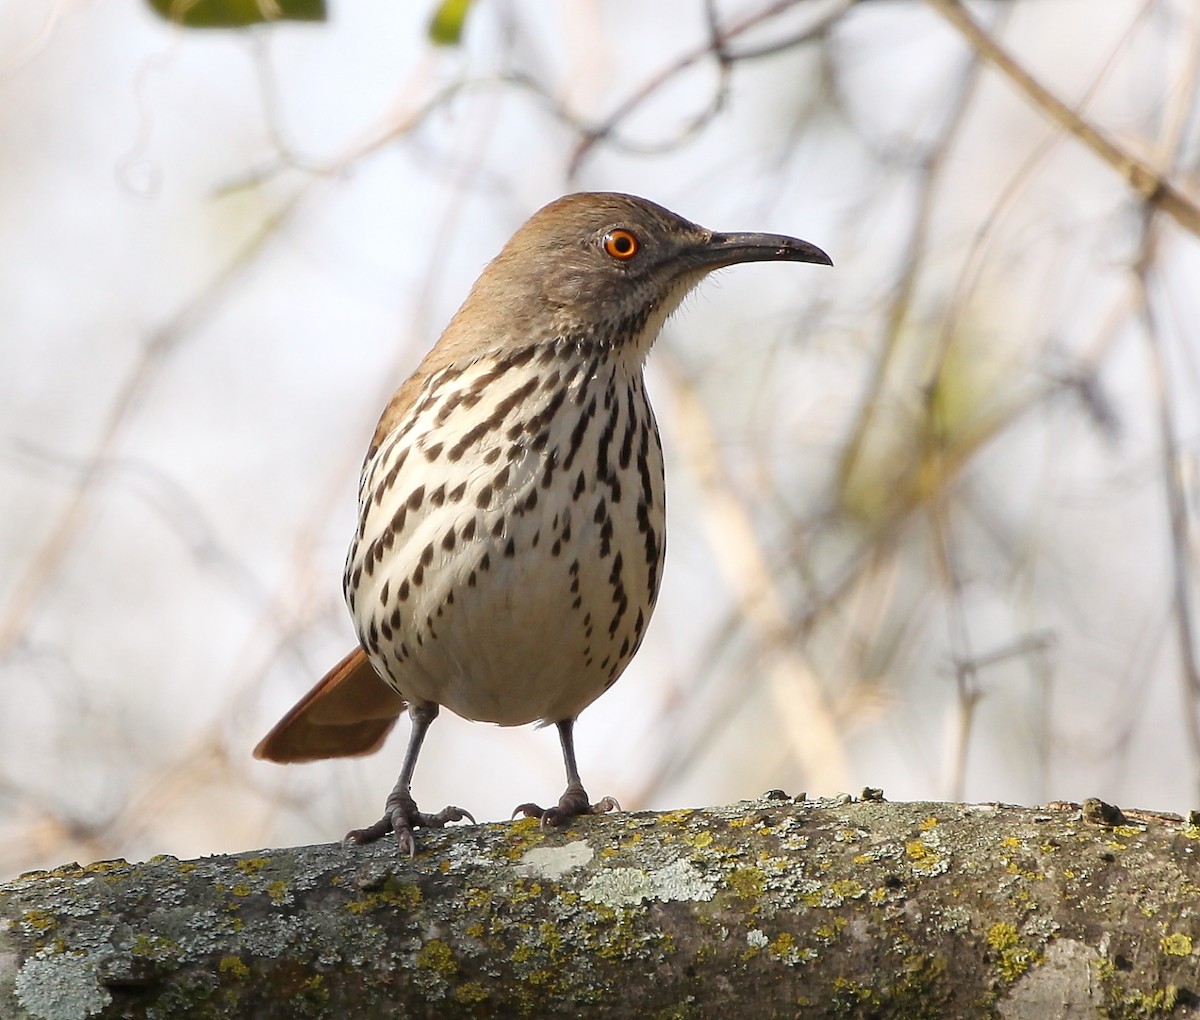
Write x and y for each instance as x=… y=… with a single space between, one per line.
x=763 y=908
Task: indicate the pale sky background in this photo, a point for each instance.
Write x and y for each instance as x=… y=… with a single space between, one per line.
x=218 y=263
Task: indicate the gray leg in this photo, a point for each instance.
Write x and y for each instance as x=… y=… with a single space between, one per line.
x=574 y=801
x=400 y=814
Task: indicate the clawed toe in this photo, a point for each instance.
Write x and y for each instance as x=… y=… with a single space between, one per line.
x=400 y=817
x=573 y=803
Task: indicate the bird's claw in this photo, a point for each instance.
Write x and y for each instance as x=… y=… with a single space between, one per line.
x=400 y=817
x=573 y=803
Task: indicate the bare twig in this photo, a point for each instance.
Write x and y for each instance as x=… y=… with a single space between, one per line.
x=44 y=565
x=1141 y=176
x=807 y=719
x=716 y=47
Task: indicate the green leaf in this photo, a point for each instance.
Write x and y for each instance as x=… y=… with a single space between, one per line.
x=446 y=25
x=236 y=13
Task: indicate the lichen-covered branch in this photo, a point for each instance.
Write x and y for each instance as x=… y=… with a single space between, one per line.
x=773 y=907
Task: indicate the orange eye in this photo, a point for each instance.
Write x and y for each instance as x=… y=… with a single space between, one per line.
x=621 y=244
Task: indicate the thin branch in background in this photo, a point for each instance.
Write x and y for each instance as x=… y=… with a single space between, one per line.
x=912 y=262
x=807 y=721
x=57 y=544
x=988 y=228
x=175 y=507
x=695 y=715
x=966 y=674
x=1175 y=496
x=36 y=43
x=1152 y=186
x=1176 y=505
x=716 y=47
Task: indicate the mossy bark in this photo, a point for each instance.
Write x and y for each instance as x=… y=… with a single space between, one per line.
x=767 y=908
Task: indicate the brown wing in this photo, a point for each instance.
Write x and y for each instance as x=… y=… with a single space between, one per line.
x=348 y=713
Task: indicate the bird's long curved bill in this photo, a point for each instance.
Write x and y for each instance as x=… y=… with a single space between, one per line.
x=729 y=249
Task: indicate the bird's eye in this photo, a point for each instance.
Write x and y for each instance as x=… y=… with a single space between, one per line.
x=621 y=244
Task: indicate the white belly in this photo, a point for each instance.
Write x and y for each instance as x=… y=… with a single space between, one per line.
x=508 y=573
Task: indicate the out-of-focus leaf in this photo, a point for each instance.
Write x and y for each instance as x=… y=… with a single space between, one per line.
x=236 y=13
x=446 y=25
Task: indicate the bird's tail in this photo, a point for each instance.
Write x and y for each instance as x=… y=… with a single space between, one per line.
x=348 y=713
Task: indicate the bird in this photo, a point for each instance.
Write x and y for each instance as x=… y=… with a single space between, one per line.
x=511 y=508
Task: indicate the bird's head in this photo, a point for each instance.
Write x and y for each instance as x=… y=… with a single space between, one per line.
x=604 y=269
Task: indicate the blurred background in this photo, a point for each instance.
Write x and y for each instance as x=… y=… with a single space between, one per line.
x=932 y=513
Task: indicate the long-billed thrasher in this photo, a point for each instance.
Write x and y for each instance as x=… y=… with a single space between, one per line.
x=511 y=509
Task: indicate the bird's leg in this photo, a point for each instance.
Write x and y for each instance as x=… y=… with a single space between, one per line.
x=574 y=800
x=400 y=814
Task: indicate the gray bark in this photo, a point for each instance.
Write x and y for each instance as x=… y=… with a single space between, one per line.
x=766 y=908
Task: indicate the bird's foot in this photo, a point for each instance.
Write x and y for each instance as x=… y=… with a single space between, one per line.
x=571 y=804
x=400 y=817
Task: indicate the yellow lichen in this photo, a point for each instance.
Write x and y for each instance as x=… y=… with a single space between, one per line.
x=846 y=888
x=1150 y=1004
x=1013 y=959
x=39 y=920
x=104 y=867
x=314 y=990
x=782 y=945
x=1015 y=962
x=917 y=850
x=404 y=896
x=523 y=834
x=1178 y=944
x=435 y=955
x=1002 y=935
x=233 y=967
x=470 y=992
x=700 y=839
x=551 y=936
x=928 y=823
x=748 y=883
x=153 y=947
x=851 y=992
x=522 y=892
x=831 y=930
x=253 y=865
